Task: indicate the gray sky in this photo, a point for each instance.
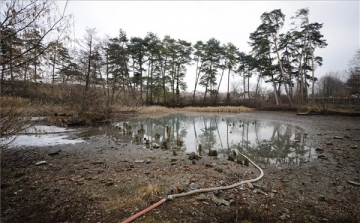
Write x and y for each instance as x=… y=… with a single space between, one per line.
x=227 y=21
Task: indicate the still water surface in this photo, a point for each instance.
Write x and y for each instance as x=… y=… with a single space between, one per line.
x=265 y=141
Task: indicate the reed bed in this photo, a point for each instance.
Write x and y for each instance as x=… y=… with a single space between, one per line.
x=227 y=109
x=154 y=110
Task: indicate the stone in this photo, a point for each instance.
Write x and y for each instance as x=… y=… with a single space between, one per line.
x=193 y=156
x=321 y=198
x=354 y=147
x=230 y=158
x=201 y=197
x=220 y=201
x=219 y=170
x=54 y=153
x=250 y=185
x=139 y=161
x=338 y=137
x=109 y=183
x=213 y=152
x=329 y=143
x=246 y=162
x=97 y=162
x=41 y=163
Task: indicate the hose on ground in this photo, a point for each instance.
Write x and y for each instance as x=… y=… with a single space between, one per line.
x=171 y=197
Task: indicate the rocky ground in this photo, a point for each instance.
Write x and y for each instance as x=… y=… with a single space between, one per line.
x=106 y=181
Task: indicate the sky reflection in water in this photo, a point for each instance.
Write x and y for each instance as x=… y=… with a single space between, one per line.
x=263 y=140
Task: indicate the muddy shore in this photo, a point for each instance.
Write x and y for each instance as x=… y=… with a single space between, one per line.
x=104 y=181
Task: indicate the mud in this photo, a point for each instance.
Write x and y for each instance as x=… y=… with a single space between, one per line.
x=103 y=181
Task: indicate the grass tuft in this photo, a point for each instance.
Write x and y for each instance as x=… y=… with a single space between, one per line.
x=150 y=191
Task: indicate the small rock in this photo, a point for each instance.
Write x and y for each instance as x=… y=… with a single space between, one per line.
x=230 y=158
x=193 y=156
x=97 y=162
x=338 y=137
x=179 y=188
x=329 y=143
x=347 y=136
x=54 y=153
x=250 y=185
x=219 y=170
x=201 y=197
x=139 y=161
x=322 y=198
x=354 y=147
x=17 y=175
x=148 y=161
x=109 y=183
x=210 y=164
x=284 y=216
x=41 y=163
x=220 y=201
x=272 y=195
x=173 y=160
x=213 y=152
x=246 y=162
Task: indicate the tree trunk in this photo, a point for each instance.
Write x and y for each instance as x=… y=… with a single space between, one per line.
x=87 y=83
x=197 y=75
x=228 y=89
x=222 y=74
x=313 y=73
x=53 y=71
x=281 y=70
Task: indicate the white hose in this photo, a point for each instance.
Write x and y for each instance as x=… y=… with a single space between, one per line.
x=171 y=197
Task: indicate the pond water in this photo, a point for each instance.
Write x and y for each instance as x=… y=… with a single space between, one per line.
x=265 y=141
x=40 y=135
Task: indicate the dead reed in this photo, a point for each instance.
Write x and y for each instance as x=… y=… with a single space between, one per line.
x=226 y=109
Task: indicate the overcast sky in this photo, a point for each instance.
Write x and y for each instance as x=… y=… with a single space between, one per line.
x=227 y=21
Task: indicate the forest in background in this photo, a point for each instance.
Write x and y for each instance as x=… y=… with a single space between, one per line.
x=93 y=77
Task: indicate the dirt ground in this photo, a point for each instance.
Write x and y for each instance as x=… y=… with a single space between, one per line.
x=105 y=181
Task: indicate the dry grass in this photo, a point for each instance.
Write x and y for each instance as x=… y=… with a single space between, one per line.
x=160 y=109
x=227 y=109
x=15 y=115
x=150 y=191
x=154 y=110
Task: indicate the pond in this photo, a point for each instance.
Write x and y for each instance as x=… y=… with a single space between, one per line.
x=265 y=141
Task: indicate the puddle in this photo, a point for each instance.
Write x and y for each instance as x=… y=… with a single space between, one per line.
x=263 y=140
x=41 y=135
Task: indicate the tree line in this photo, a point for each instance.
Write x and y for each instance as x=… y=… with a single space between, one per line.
x=35 y=48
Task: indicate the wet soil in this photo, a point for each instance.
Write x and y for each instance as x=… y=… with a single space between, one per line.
x=104 y=181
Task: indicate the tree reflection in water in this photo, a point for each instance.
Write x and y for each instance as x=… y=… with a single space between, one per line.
x=263 y=140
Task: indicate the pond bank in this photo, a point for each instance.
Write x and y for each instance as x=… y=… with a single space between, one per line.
x=105 y=181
